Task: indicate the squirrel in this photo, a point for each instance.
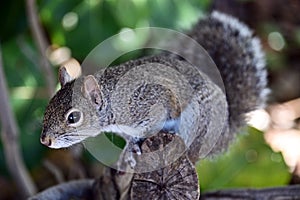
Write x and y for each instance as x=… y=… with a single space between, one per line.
x=170 y=94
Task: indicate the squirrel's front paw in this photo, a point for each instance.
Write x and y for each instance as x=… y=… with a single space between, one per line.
x=127 y=159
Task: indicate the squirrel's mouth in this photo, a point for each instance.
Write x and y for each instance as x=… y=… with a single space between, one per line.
x=49 y=140
x=56 y=143
x=56 y=140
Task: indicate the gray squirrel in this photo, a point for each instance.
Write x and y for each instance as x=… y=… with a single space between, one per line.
x=188 y=102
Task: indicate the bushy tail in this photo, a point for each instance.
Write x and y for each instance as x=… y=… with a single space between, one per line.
x=240 y=60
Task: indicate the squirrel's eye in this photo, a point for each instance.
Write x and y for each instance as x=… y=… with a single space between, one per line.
x=74 y=117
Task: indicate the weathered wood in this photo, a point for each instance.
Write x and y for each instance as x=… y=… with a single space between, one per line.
x=177 y=177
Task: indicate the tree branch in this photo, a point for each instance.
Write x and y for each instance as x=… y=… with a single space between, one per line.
x=9 y=135
x=86 y=189
x=42 y=45
x=72 y=190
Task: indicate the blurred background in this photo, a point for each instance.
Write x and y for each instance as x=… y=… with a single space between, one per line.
x=76 y=26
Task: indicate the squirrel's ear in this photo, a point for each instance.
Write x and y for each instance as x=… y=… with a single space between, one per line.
x=70 y=70
x=91 y=90
x=63 y=76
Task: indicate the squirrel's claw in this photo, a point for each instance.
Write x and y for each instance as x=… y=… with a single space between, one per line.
x=128 y=156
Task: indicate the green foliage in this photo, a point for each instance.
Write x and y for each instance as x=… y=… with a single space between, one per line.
x=97 y=20
x=117 y=140
x=249 y=163
x=13 y=20
x=27 y=99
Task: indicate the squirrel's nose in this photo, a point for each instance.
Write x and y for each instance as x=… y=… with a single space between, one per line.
x=45 y=140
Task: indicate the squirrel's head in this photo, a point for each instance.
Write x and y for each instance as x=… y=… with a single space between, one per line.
x=72 y=115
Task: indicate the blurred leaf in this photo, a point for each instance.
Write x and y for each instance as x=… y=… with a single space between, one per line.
x=276 y=60
x=297 y=36
x=13 y=19
x=249 y=163
x=117 y=140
